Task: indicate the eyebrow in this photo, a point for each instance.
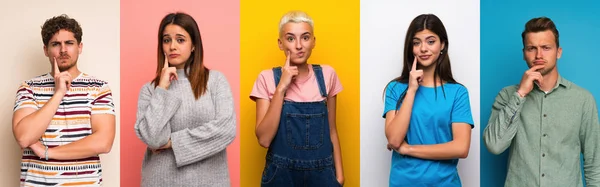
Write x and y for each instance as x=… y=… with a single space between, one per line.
x=56 y=41
x=181 y=35
x=428 y=37
x=289 y=33
x=542 y=45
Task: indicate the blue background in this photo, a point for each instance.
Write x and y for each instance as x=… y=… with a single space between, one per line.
x=502 y=64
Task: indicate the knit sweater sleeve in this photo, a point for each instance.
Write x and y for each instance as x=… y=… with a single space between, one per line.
x=191 y=145
x=155 y=108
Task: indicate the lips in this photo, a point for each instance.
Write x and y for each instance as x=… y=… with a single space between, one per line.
x=300 y=54
x=424 y=57
x=173 y=55
x=538 y=62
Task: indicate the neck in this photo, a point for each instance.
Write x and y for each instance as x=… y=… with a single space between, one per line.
x=181 y=74
x=428 y=78
x=550 y=80
x=302 y=69
x=74 y=71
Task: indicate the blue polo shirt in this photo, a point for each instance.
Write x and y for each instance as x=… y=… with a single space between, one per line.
x=430 y=123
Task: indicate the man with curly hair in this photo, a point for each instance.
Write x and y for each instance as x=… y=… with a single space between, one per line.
x=63 y=119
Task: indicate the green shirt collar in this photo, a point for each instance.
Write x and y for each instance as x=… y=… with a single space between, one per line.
x=559 y=82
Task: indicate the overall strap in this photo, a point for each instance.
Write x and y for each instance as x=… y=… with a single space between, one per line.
x=320 y=80
x=277 y=76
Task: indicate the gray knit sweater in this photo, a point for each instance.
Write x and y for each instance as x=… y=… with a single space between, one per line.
x=199 y=130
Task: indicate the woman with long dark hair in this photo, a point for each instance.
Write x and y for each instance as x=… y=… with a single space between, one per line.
x=185 y=114
x=428 y=116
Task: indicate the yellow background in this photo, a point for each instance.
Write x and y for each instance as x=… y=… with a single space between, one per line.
x=337 y=28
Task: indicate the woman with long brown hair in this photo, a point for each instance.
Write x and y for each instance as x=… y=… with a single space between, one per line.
x=185 y=114
x=428 y=116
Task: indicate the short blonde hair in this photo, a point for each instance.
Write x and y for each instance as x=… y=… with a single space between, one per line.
x=295 y=16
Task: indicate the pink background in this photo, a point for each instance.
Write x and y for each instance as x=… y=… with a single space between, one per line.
x=219 y=28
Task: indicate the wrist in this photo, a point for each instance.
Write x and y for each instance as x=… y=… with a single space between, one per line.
x=412 y=89
x=340 y=179
x=521 y=93
x=411 y=93
x=280 y=89
x=406 y=149
x=46 y=152
x=59 y=93
x=163 y=86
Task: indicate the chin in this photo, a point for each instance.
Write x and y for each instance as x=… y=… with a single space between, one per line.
x=65 y=67
x=175 y=63
x=546 y=71
x=426 y=64
x=298 y=62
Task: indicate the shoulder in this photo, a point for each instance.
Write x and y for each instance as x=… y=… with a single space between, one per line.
x=215 y=74
x=327 y=69
x=147 y=88
x=148 y=85
x=266 y=74
x=216 y=77
x=459 y=88
x=44 y=76
x=580 y=92
x=506 y=92
x=91 y=80
x=396 y=86
x=509 y=89
x=39 y=80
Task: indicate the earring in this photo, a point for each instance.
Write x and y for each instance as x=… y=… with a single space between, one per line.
x=442 y=52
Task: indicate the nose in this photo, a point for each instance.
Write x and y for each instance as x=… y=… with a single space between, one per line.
x=298 y=45
x=172 y=46
x=63 y=48
x=423 y=48
x=538 y=54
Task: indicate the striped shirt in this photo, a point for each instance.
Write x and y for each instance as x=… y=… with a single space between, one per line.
x=87 y=96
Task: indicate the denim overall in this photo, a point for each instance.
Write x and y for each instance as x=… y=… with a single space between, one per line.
x=301 y=153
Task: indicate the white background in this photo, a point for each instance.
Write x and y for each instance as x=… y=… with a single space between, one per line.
x=22 y=58
x=382 y=32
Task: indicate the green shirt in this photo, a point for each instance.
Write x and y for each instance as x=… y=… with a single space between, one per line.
x=546 y=133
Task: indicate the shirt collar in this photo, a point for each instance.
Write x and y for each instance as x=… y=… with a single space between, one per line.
x=560 y=81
